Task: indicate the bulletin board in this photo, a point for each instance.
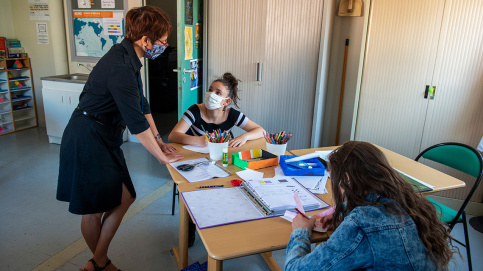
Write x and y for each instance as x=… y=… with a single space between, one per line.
x=94 y=27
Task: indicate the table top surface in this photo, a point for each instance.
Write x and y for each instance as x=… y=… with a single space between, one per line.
x=263 y=235
x=436 y=178
x=189 y=155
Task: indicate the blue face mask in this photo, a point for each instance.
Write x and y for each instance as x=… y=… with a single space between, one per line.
x=157 y=50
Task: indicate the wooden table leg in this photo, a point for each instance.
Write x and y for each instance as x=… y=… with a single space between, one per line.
x=272 y=264
x=181 y=253
x=214 y=265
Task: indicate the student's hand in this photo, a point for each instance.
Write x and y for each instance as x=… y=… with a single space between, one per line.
x=326 y=221
x=299 y=221
x=166 y=147
x=174 y=156
x=202 y=141
x=238 y=141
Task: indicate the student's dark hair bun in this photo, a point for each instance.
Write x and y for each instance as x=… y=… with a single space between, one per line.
x=231 y=83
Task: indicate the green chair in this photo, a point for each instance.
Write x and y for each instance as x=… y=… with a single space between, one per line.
x=465 y=159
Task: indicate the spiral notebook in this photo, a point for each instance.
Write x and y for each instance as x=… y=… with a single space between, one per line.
x=256 y=199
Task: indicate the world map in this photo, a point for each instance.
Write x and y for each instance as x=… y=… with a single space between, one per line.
x=89 y=37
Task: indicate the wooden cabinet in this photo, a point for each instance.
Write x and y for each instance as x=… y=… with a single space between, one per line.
x=411 y=46
x=273 y=47
x=17 y=97
x=60 y=99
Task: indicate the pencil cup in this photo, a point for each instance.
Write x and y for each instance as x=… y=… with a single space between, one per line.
x=277 y=149
x=216 y=150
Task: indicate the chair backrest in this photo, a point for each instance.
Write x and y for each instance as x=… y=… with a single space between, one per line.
x=460 y=157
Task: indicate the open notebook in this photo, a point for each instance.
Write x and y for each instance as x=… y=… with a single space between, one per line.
x=256 y=199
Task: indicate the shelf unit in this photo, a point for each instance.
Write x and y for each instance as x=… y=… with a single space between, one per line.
x=17 y=97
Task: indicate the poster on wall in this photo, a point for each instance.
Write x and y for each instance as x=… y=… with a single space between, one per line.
x=95 y=26
x=42 y=33
x=93 y=36
x=195 y=81
x=197 y=35
x=188 y=42
x=39 y=10
x=188 y=12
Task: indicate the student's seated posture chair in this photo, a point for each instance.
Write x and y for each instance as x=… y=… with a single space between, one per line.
x=465 y=159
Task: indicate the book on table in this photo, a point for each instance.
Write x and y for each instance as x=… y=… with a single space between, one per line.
x=255 y=199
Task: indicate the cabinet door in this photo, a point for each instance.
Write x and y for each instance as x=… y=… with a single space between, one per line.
x=455 y=113
x=283 y=36
x=71 y=101
x=54 y=108
x=399 y=62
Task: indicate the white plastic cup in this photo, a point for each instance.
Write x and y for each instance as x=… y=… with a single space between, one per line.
x=277 y=149
x=216 y=150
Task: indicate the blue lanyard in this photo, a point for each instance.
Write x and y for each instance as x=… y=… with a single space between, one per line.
x=141 y=91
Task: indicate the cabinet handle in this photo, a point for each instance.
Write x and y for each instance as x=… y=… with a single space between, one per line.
x=259 y=71
x=70 y=102
x=426 y=92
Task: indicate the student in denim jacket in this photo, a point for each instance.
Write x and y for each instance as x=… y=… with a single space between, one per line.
x=381 y=222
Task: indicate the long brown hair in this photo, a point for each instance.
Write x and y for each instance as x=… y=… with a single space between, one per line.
x=360 y=168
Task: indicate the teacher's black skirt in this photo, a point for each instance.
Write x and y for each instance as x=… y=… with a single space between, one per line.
x=92 y=166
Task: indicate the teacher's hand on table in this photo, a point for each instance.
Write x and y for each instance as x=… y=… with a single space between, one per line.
x=166 y=147
x=238 y=141
x=174 y=156
x=300 y=221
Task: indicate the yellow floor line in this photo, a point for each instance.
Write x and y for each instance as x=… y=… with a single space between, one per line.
x=80 y=245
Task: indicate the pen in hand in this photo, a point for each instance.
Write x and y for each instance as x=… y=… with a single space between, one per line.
x=298 y=211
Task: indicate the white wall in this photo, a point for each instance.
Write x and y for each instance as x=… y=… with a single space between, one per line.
x=343 y=28
x=44 y=61
x=6 y=19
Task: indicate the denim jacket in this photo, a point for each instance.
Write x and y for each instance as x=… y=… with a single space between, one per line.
x=368 y=238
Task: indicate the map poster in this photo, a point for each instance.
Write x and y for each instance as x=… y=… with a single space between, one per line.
x=188 y=42
x=93 y=37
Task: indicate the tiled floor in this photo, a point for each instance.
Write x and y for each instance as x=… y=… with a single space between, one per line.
x=38 y=233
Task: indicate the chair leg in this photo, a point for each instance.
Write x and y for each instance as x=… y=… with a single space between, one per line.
x=174 y=198
x=467 y=241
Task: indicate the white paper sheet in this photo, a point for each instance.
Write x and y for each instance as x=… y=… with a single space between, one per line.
x=315 y=184
x=197 y=148
x=250 y=174
x=289 y=216
x=200 y=172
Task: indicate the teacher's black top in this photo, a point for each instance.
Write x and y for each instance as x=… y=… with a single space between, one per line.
x=92 y=168
x=113 y=88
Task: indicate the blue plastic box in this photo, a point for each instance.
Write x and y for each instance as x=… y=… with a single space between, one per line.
x=289 y=170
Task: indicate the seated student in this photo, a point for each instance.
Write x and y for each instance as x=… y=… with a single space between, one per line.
x=381 y=222
x=214 y=114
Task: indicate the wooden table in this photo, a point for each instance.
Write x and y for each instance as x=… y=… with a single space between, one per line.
x=266 y=235
x=181 y=253
x=438 y=179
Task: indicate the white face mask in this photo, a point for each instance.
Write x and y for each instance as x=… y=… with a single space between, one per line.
x=213 y=101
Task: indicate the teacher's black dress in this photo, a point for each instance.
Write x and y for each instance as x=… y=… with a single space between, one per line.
x=92 y=165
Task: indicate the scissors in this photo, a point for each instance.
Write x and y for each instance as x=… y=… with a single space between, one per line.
x=190 y=167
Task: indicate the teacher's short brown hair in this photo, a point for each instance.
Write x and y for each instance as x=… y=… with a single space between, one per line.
x=148 y=21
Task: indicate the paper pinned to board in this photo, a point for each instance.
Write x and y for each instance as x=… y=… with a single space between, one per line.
x=250 y=174
x=197 y=148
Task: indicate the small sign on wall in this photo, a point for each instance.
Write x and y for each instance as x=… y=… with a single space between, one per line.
x=42 y=33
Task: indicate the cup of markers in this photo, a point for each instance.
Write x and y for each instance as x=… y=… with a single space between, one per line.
x=277 y=142
x=217 y=144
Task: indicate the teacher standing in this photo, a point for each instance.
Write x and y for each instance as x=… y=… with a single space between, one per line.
x=93 y=176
